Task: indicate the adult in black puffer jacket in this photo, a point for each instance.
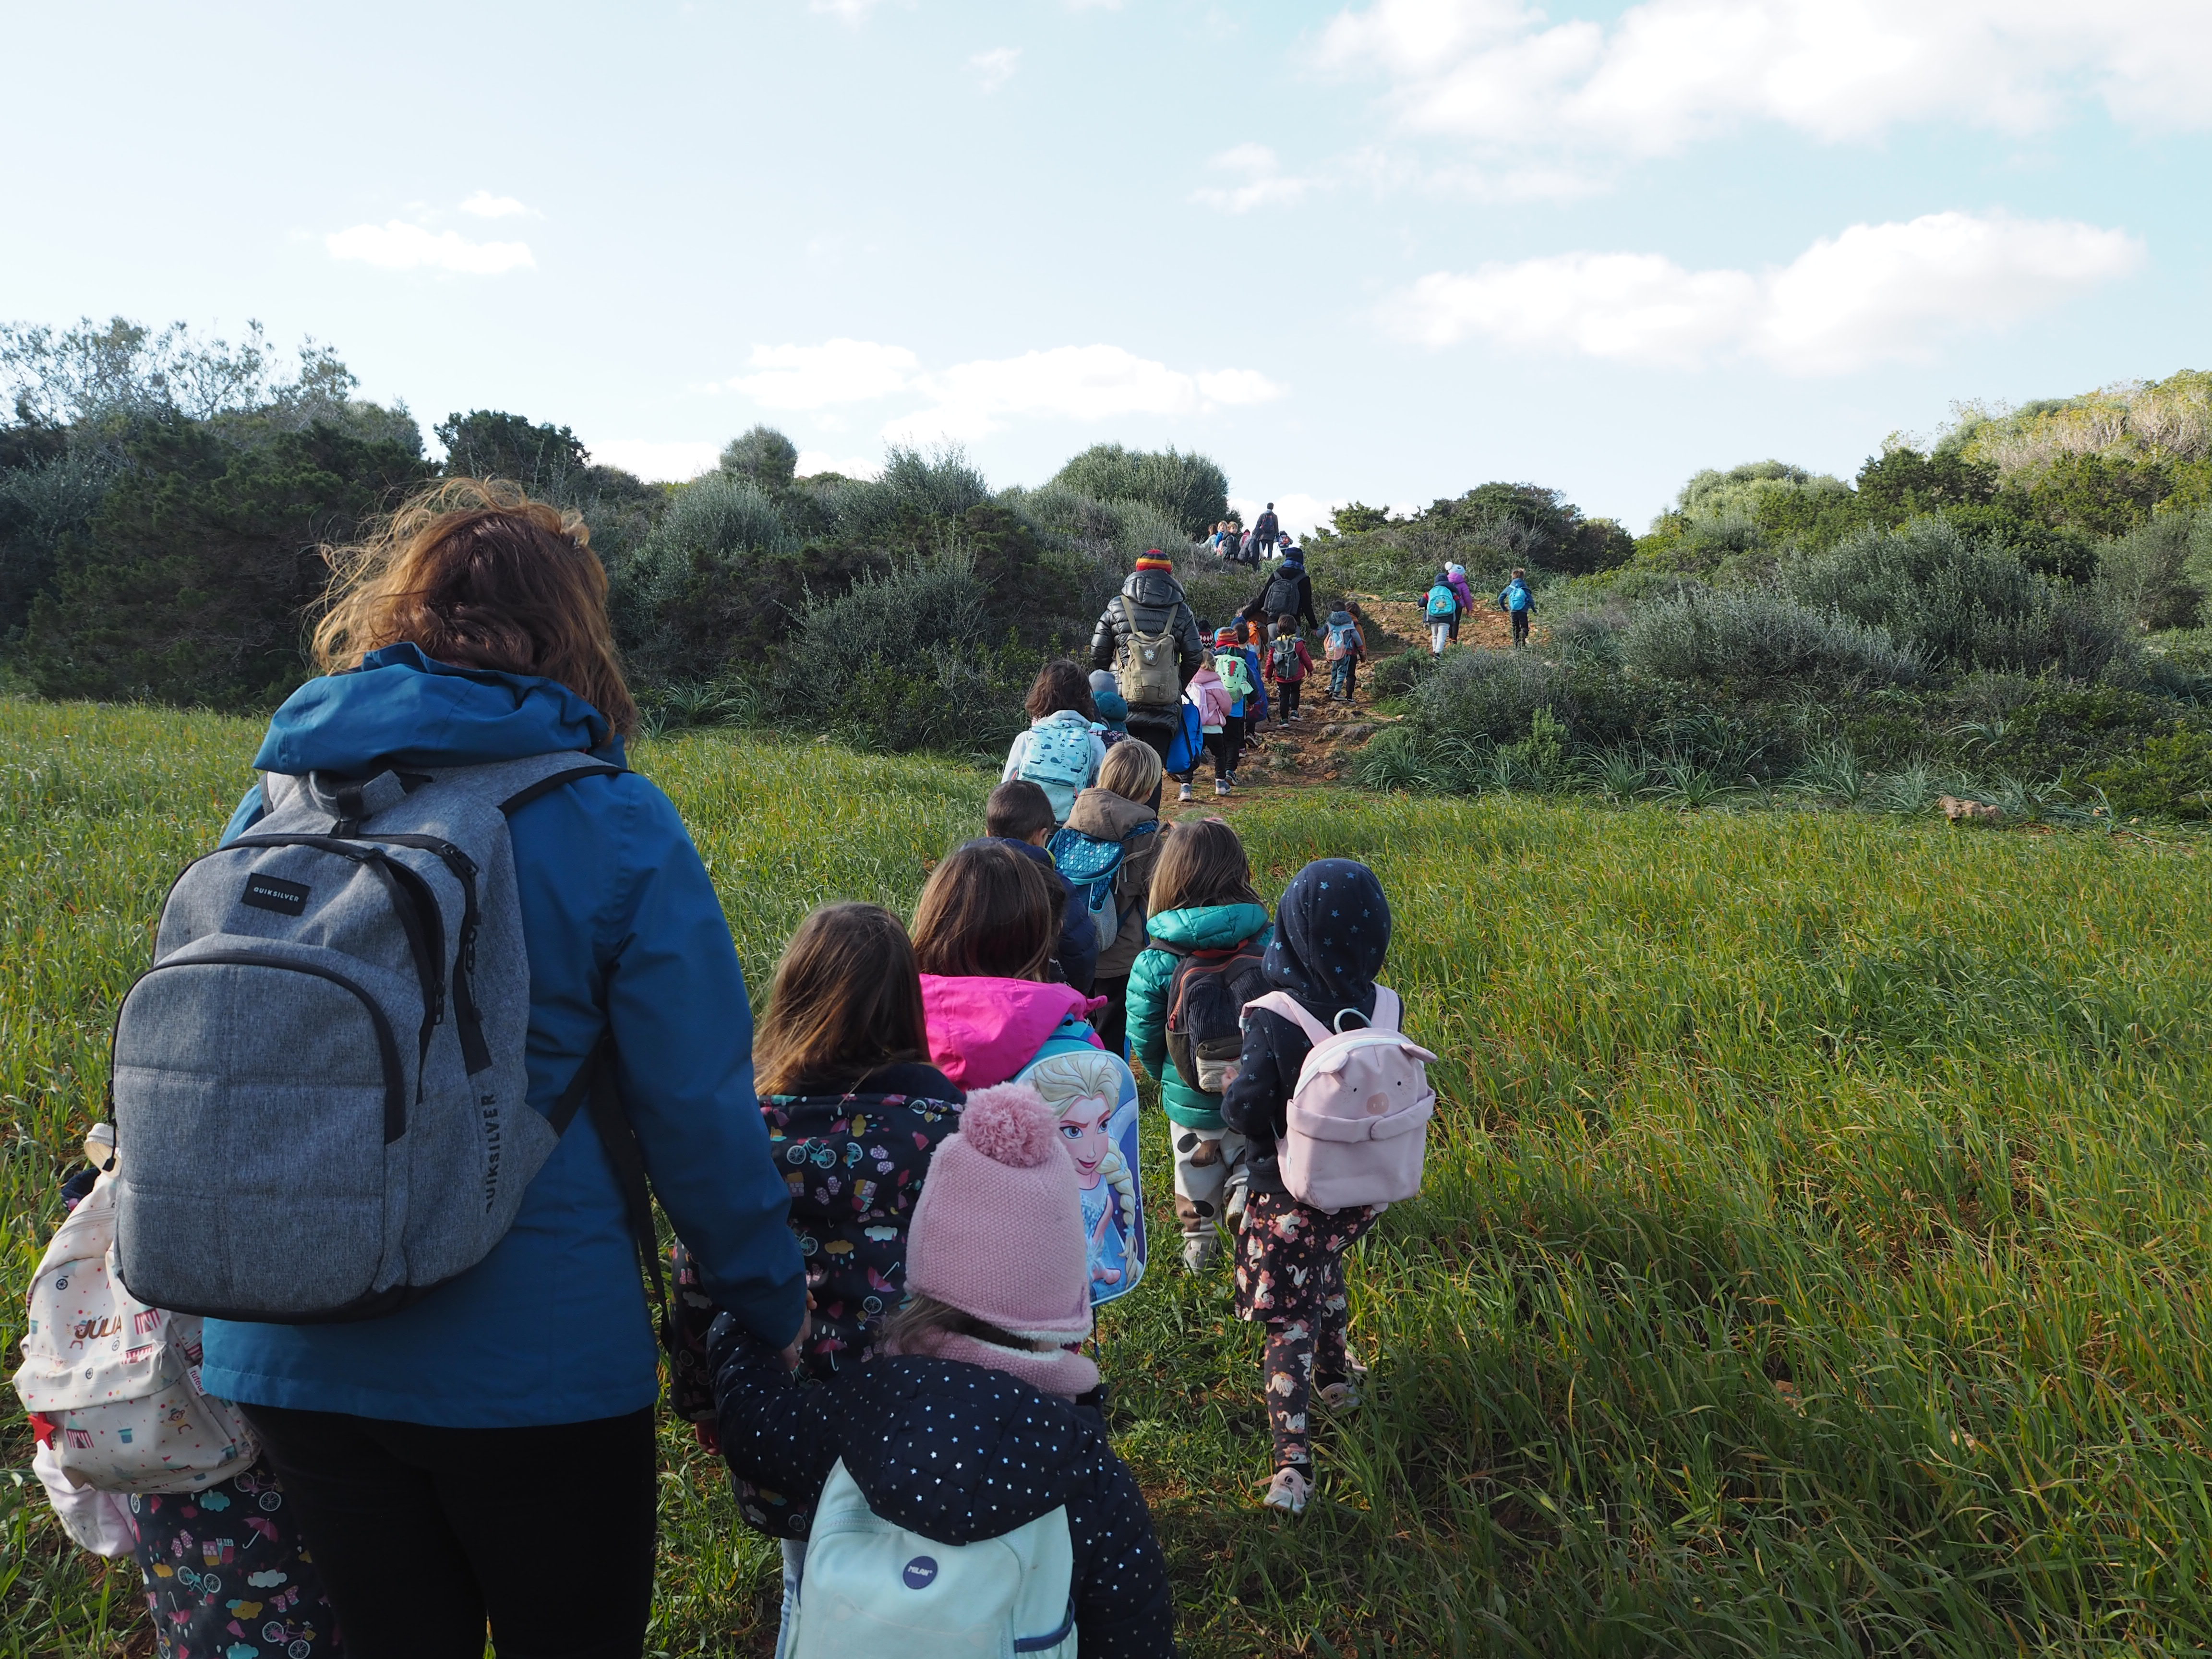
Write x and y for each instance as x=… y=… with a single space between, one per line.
x=1288 y=592
x=1151 y=602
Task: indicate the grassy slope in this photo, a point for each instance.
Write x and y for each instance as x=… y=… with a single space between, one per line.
x=1810 y=1264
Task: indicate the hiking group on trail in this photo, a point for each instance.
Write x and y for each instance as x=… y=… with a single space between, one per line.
x=347 y=1337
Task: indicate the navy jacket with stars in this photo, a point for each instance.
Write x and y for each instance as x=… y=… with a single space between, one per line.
x=957 y=1452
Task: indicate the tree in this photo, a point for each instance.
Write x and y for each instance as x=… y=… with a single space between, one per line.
x=487 y=443
x=1189 y=488
x=764 y=455
x=194 y=580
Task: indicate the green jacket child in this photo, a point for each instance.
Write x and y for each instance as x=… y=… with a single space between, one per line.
x=1206 y=927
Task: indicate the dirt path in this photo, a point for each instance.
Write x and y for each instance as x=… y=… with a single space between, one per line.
x=1318 y=747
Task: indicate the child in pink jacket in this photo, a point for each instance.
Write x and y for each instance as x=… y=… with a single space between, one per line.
x=1211 y=698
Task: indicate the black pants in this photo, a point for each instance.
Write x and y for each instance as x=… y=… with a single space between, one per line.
x=1519 y=627
x=1288 y=691
x=1458 y=611
x=1158 y=735
x=1112 y=1024
x=422 y=1534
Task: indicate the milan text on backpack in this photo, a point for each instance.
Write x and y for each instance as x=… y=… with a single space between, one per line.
x=319 y=1085
x=1358 y=1123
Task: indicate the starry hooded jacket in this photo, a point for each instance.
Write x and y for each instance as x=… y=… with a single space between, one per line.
x=957 y=1453
x=624 y=933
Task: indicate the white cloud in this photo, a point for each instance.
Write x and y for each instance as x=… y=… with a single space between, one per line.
x=1896 y=290
x=397 y=246
x=852 y=11
x=656 y=461
x=1667 y=73
x=485 y=205
x=1084 y=383
x=811 y=461
x=835 y=371
x=1264 y=184
x=993 y=68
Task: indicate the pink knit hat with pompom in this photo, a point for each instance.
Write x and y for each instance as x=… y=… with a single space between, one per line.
x=998 y=1230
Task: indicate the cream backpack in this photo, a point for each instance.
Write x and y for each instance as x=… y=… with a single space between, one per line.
x=119 y=1381
x=1357 y=1126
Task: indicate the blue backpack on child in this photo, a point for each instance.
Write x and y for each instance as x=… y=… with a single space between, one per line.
x=1091 y=864
x=1441 y=603
x=1058 y=762
x=1189 y=738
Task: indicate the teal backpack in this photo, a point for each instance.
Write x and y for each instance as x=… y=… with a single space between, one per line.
x=1058 y=762
x=1091 y=864
x=1442 y=602
x=873 y=1588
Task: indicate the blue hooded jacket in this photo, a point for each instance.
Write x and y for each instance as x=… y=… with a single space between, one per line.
x=622 y=927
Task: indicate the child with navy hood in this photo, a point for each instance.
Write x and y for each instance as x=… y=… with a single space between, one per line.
x=1020 y=815
x=1332 y=932
x=433 y=1454
x=964 y=1427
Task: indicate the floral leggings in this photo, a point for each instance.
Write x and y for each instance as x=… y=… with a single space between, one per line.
x=226 y=1576
x=1290 y=1278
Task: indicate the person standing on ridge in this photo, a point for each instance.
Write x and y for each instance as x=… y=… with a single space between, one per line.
x=1265 y=530
x=1516 y=601
x=1149 y=637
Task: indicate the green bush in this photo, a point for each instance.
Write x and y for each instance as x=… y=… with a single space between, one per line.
x=1191 y=491
x=2169 y=776
x=1751 y=642
x=2144 y=578
x=1963 y=604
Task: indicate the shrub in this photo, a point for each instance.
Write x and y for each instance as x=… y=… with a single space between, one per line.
x=1191 y=491
x=712 y=585
x=1753 y=641
x=1964 y=604
x=764 y=456
x=2143 y=577
x=1492 y=696
x=1396 y=675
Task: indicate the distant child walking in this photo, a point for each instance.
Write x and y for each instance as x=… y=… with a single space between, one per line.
x=1208 y=927
x=1020 y=815
x=1289 y=662
x=1517 y=602
x=1106 y=850
x=1441 y=610
x=1332 y=932
x=1343 y=645
x=1211 y=697
x=963 y=1430
x=1064 y=747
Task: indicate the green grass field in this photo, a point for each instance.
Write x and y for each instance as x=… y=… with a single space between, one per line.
x=1813 y=1260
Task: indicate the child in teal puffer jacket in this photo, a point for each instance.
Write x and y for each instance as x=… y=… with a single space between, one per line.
x=1207 y=927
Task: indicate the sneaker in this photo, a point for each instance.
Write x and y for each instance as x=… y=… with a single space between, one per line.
x=1221 y=785
x=1199 y=1251
x=1288 y=1491
x=1186 y=794
x=1339 y=1396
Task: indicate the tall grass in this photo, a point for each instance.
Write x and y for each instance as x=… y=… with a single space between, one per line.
x=1811 y=1262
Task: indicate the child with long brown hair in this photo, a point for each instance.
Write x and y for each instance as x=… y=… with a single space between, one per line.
x=1208 y=927
x=855 y=1110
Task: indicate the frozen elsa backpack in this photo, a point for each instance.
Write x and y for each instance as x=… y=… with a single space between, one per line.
x=113 y=1386
x=871 y=1587
x=1358 y=1122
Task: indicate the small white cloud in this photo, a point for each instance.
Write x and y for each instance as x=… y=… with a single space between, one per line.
x=657 y=461
x=1264 y=184
x=1085 y=383
x=1524 y=94
x=811 y=461
x=852 y=11
x=485 y=205
x=835 y=372
x=399 y=245
x=993 y=68
x=1875 y=292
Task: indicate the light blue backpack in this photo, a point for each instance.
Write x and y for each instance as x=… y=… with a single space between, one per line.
x=1091 y=864
x=872 y=1588
x=1442 y=602
x=1058 y=762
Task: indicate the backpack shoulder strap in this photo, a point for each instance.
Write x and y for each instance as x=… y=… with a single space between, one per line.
x=1389 y=1010
x=594 y=1084
x=1284 y=1004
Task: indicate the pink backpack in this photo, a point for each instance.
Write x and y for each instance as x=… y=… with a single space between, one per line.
x=1358 y=1122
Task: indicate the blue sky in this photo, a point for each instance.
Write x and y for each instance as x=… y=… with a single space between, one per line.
x=1385 y=250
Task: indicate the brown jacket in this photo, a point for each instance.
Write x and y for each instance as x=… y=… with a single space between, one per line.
x=1107 y=817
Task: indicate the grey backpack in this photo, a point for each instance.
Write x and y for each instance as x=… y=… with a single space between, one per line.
x=319 y=1083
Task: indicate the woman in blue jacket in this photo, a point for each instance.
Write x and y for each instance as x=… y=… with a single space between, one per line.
x=445 y=1460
